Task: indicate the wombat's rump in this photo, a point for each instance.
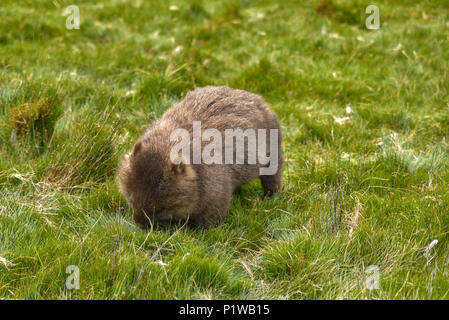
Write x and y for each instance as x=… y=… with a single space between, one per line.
x=159 y=189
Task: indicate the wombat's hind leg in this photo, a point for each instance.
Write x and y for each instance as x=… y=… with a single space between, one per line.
x=271 y=184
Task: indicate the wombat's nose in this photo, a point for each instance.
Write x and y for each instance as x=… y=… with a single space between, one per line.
x=141 y=220
x=157 y=213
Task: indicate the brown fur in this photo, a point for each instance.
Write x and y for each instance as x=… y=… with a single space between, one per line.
x=159 y=190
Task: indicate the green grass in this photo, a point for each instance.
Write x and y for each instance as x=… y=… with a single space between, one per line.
x=372 y=190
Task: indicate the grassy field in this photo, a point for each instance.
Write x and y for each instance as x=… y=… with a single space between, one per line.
x=365 y=116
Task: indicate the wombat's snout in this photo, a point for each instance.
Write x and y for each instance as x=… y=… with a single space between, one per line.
x=142 y=220
x=146 y=220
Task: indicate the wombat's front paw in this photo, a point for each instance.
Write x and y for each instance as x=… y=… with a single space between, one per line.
x=204 y=221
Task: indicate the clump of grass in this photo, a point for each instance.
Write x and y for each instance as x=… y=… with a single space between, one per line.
x=395 y=119
x=303 y=265
x=339 y=12
x=396 y=150
x=196 y=12
x=169 y=82
x=333 y=220
x=205 y=273
x=87 y=150
x=35 y=121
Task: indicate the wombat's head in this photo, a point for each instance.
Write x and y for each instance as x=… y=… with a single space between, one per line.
x=155 y=188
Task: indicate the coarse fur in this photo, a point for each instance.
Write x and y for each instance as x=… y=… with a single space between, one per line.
x=159 y=190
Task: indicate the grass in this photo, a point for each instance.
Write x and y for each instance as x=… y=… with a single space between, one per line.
x=365 y=116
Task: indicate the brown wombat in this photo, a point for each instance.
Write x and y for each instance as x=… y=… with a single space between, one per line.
x=165 y=179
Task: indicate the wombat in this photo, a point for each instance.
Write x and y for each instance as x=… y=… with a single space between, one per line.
x=164 y=179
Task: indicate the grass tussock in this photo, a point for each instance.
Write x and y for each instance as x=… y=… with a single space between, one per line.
x=87 y=151
x=348 y=12
x=35 y=120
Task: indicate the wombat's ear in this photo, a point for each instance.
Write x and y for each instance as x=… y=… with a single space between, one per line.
x=137 y=147
x=183 y=169
x=178 y=169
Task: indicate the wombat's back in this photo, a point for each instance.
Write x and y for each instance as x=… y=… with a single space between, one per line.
x=222 y=108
